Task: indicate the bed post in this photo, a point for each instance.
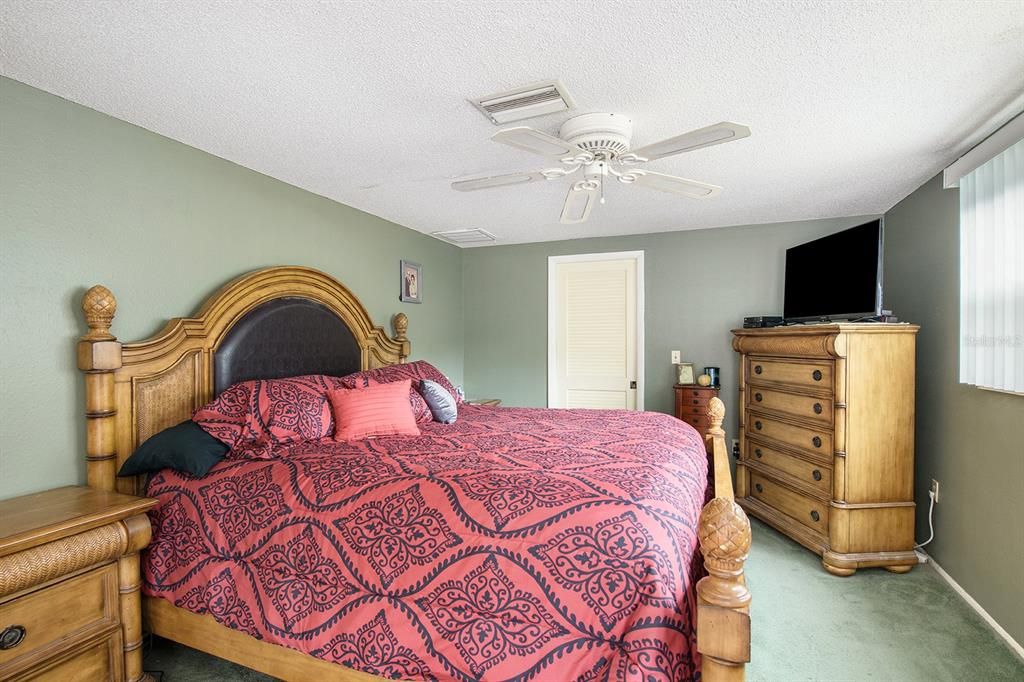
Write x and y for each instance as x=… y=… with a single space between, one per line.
x=400 y=325
x=99 y=356
x=723 y=600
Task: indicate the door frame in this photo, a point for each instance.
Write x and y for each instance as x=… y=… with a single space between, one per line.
x=553 y=263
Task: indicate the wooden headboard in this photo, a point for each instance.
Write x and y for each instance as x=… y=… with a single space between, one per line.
x=134 y=390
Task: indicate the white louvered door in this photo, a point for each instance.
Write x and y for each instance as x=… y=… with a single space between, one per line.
x=595 y=334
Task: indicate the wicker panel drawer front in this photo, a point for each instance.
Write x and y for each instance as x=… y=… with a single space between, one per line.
x=88 y=604
x=816 y=375
x=815 y=408
x=814 y=475
x=806 y=510
x=817 y=442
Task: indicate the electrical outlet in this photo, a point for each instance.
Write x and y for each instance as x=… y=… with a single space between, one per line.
x=935 y=490
x=676 y=357
x=736 y=448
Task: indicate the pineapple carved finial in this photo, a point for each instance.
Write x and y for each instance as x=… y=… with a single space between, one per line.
x=724 y=536
x=400 y=324
x=99 y=306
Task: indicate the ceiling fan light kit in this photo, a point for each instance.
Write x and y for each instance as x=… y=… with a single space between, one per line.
x=599 y=145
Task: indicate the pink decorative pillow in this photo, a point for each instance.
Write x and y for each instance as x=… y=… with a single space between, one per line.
x=377 y=410
x=416 y=371
x=252 y=417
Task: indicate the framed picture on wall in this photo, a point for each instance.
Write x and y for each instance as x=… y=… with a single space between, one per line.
x=684 y=373
x=411 y=282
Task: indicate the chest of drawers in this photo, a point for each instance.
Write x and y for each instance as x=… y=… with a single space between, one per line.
x=69 y=586
x=827 y=439
x=692 y=402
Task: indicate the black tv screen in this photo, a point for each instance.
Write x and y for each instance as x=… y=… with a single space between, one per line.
x=836 y=277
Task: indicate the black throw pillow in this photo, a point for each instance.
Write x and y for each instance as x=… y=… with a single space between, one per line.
x=185 y=447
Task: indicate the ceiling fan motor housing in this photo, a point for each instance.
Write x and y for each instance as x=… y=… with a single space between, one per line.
x=606 y=135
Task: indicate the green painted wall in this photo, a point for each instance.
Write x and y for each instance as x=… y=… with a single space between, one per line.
x=698 y=285
x=86 y=199
x=967 y=438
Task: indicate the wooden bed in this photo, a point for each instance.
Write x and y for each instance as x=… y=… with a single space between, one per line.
x=135 y=390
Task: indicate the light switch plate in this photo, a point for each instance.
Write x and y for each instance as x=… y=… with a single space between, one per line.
x=675 y=357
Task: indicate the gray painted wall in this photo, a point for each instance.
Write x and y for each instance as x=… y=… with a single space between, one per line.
x=698 y=285
x=971 y=440
x=87 y=199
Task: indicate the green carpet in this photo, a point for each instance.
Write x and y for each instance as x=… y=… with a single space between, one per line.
x=810 y=625
x=807 y=625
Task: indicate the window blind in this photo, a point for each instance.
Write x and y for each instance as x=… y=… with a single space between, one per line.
x=992 y=273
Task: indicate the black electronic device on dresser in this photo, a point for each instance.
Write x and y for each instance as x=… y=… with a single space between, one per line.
x=762 y=321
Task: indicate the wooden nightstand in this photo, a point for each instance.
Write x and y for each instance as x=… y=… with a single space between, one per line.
x=70 y=607
x=692 y=405
x=490 y=402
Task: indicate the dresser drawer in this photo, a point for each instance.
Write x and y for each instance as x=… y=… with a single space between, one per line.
x=817 y=375
x=696 y=392
x=806 y=510
x=95 y=662
x=60 y=615
x=695 y=411
x=702 y=424
x=818 y=442
x=803 y=406
x=814 y=475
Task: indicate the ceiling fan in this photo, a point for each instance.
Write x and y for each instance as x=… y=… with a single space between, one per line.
x=598 y=144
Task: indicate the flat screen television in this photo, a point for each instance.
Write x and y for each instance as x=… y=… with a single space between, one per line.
x=836 y=277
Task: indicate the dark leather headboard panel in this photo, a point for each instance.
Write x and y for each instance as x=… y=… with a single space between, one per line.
x=285 y=337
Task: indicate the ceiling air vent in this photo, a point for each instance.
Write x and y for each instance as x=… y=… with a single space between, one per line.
x=548 y=97
x=474 y=236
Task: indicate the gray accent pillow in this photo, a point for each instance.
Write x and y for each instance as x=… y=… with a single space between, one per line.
x=441 y=403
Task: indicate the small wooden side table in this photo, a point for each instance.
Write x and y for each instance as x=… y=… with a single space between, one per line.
x=692 y=405
x=70 y=607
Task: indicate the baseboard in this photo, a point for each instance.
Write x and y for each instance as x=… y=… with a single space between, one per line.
x=1010 y=641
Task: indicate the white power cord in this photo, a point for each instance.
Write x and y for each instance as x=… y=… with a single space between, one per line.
x=931 y=528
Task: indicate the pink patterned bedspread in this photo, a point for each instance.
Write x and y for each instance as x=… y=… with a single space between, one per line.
x=523 y=544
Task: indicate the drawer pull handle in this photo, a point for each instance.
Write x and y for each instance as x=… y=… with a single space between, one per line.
x=757 y=369
x=757 y=425
x=816 y=375
x=758 y=397
x=815 y=516
x=817 y=441
x=817 y=408
x=758 y=487
x=816 y=474
x=757 y=453
x=12 y=636
x=696 y=402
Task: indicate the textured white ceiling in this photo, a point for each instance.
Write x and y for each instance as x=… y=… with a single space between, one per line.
x=852 y=104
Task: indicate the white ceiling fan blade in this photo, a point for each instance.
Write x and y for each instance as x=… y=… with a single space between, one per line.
x=695 y=139
x=497 y=181
x=674 y=185
x=578 y=203
x=537 y=142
